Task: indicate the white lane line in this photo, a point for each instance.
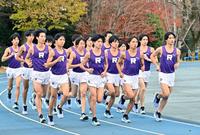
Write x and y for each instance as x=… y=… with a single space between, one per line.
x=27 y=118
x=149 y=116
x=119 y=125
x=3 y=92
x=165 y=119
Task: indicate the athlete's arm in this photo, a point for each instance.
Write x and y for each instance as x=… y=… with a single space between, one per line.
x=142 y=61
x=28 y=57
x=146 y=57
x=67 y=52
x=7 y=55
x=103 y=74
x=71 y=58
x=50 y=61
x=19 y=54
x=83 y=63
x=119 y=63
x=178 y=59
x=154 y=59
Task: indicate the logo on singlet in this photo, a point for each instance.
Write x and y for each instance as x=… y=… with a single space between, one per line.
x=81 y=58
x=15 y=54
x=62 y=58
x=98 y=60
x=169 y=57
x=114 y=60
x=133 y=60
x=41 y=55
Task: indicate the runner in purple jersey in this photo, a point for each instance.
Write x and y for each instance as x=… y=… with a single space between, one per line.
x=89 y=43
x=97 y=69
x=79 y=76
x=74 y=37
x=123 y=46
x=50 y=42
x=113 y=79
x=14 y=68
x=169 y=62
x=26 y=71
x=37 y=57
x=143 y=76
x=89 y=46
x=106 y=44
x=57 y=60
x=74 y=71
x=132 y=61
x=73 y=89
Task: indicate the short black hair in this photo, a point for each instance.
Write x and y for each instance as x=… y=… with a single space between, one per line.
x=129 y=40
x=107 y=32
x=140 y=37
x=58 y=35
x=49 y=38
x=113 y=38
x=87 y=37
x=167 y=34
x=14 y=35
x=78 y=40
x=29 y=32
x=75 y=36
x=143 y=35
x=37 y=32
x=121 y=42
x=97 y=37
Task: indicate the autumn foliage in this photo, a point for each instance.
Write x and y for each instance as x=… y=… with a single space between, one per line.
x=165 y=11
x=124 y=17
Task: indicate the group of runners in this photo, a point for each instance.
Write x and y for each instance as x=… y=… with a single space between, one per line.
x=95 y=69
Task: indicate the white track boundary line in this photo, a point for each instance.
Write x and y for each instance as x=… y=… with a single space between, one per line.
x=165 y=119
x=119 y=125
x=27 y=118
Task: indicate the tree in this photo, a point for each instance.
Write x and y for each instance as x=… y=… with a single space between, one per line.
x=127 y=18
x=50 y=14
x=193 y=15
x=123 y=17
x=5 y=22
x=155 y=21
x=189 y=33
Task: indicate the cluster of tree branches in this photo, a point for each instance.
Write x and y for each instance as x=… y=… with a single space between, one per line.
x=123 y=17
